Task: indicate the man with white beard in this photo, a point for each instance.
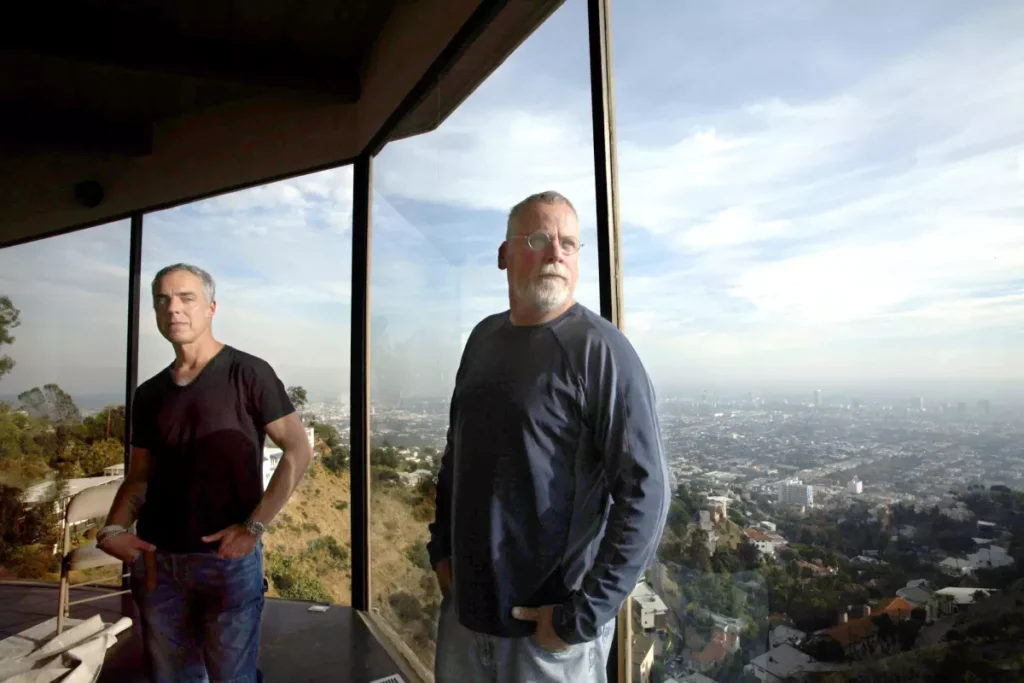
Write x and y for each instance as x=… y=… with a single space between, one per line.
x=553 y=489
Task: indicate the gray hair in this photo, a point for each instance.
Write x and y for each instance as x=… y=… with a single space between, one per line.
x=209 y=286
x=545 y=197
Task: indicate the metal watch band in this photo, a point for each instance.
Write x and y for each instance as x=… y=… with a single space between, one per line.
x=255 y=528
x=108 y=532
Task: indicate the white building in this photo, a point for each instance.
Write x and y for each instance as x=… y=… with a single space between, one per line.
x=795 y=492
x=785 y=635
x=785 y=663
x=413 y=478
x=719 y=505
x=652 y=609
x=855 y=485
x=761 y=540
x=272 y=457
x=114 y=470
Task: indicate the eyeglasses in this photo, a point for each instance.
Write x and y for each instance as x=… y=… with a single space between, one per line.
x=540 y=240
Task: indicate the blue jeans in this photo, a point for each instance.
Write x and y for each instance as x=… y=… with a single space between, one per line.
x=202 y=622
x=465 y=656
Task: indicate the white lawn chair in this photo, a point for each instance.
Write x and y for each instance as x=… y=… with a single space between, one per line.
x=88 y=504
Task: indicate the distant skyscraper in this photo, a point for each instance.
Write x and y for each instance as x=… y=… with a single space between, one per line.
x=795 y=492
x=856 y=404
x=917 y=403
x=817 y=398
x=855 y=485
x=961 y=408
x=985 y=406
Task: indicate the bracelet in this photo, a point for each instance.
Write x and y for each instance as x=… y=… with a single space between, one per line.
x=108 y=532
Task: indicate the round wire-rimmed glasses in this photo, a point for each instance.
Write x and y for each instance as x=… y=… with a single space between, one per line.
x=540 y=240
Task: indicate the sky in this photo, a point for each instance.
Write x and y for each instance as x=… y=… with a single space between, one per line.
x=814 y=195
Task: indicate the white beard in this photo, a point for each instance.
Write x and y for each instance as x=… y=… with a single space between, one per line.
x=545 y=294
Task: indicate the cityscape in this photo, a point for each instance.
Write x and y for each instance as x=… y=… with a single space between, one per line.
x=767 y=466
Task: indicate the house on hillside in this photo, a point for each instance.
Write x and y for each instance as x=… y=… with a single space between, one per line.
x=704 y=520
x=818 y=569
x=953 y=600
x=718 y=506
x=859 y=636
x=114 y=470
x=723 y=643
x=781 y=663
x=988 y=557
x=785 y=635
x=414 y=478
x=651 y=609
x=643 y=658
x=761 y=540
x=917 y=592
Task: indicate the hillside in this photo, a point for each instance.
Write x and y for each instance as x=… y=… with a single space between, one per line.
x=308 y=552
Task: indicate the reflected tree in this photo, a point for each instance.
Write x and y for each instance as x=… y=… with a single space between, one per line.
x=8 y=321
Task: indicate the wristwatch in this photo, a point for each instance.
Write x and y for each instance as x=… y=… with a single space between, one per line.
x=255 y=528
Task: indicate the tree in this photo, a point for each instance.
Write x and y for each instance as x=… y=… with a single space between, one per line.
x=8 y=321
x=337 y=460
x=699 y=557
x=297 y=395
x=51 y=402
x=100 y=455
x=22 y=525
x=108 y=423
x=750 y=556
x=385 y=456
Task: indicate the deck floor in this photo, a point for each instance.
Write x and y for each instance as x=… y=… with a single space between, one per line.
x=296 y=644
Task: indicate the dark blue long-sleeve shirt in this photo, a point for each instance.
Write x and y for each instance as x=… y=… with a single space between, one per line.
x=553 y=488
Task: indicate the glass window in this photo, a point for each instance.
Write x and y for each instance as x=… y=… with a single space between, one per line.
x=63 y=334
x=439 y=209
x=823 y=208
x=281 y=257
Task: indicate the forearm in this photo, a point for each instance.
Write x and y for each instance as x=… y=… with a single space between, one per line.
x=127 y=503
x=439 y=545
x=635 y=524
x=284 y=482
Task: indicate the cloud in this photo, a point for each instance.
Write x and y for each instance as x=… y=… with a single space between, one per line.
x=824 y=200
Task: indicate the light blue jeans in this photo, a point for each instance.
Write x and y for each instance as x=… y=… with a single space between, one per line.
x=465 y=656
x=202 y=622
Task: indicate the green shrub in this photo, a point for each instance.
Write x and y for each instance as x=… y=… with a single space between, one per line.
x=292 y=581
x=327 y=547
x=405 y=606
x=418 y=555
x=341 y=505
x=384 y=476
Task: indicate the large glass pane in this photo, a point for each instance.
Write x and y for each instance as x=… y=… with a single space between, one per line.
x=824 y=240
x=439 y=209
x=281 y=256
x=63 y=317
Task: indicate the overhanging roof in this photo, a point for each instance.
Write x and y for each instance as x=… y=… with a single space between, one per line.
x=159 y=102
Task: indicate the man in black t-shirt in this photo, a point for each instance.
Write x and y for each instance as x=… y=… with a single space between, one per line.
x=195 y=487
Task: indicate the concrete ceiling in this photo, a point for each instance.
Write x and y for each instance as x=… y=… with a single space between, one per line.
x=109 y=107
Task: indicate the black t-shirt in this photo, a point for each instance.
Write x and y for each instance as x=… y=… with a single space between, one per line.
x=206 y=442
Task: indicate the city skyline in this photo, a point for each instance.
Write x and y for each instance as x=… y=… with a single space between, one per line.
x=829 y=206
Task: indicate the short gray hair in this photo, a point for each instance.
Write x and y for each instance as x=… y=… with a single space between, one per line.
x=209 y=286
x=545 y=197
